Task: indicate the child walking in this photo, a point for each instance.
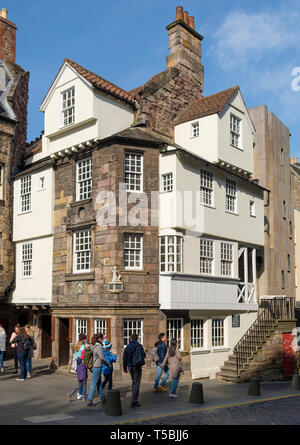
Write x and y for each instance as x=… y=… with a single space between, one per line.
x=174 y=357
x=110 y=358
x=82 y=376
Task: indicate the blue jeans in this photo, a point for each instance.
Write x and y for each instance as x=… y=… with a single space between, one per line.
x=107 y=378
x=1 y=359
x=80 y=392
x=96 y=383
x=159 y=371
x=174 y=385
x=29 y=364
x=23 y=364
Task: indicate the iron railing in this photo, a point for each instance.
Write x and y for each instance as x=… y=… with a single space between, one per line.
x=282 y=308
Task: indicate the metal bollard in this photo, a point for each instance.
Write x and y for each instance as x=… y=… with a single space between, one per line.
x=112 y=406
x=196 y=395
x=254 y=387
x=295 y=381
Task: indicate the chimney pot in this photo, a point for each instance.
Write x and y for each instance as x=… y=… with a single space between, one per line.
x=185 y=17
x=293 y=160
x=192 y=22
x=179 y=13
x=4 y=13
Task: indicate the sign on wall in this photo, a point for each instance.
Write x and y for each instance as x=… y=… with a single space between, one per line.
x=236 y=321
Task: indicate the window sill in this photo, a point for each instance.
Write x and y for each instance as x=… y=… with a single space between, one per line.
x=253 y=216
x=231 y=213
x=166 y=191
x=237 y=148
x=80 y=202
x=134 y=272
x=220 y=349
x=207 y=205
x=200 y=351
x=26 y=278
x=24 y=213
x=135 y=191
x=84 y=276
x=70 y=127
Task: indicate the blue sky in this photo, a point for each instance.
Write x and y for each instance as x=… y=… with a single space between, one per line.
x=252 y=44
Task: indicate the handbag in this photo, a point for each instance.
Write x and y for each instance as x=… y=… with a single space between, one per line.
x=34 y=345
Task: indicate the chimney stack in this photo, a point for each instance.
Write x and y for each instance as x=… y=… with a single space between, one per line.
x=7 y=38
x=294 y=161
x=185 y=46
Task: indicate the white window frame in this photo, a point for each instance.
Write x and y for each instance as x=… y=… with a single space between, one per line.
x=231 y=192
x=212 y=333
x=133 y=174
x=75 y=252
x=195 y=129
x=78 y=324
x=204 y=333
x=252 y=208
x=226 y=260
x=213 y=259
x=25 y=194
x=26 y=259
x=133 y=330
x=98 y=329
x=235 y=131
x=1 y=181
x=84 y=186
x=167 y=182
x=180 y=346
x=207 y=187
x=141 y=236
x=64 y=109
x=178 y=241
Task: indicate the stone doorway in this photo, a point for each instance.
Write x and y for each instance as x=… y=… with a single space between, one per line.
x=63 y=342
x=46 y=336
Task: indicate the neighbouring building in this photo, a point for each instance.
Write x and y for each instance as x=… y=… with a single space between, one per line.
x=295 y=177
x=13 y=132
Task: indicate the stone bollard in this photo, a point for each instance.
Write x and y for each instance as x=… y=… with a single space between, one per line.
x=196 y=395
x=112 y=406
x=52 y=366
x=295 y=381
x=254 y=387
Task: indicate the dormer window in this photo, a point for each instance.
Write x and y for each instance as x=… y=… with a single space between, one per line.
x=195 y=129
x=235 y=131
x=68 y=106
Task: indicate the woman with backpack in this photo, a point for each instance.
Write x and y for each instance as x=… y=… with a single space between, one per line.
x=174 y=358
x=30 y=353
x=82 y=376
x=24 y=343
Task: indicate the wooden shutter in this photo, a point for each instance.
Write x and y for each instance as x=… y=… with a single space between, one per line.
x=108 y=329
x=52 y=328
x=70 y=329
x=88 y=329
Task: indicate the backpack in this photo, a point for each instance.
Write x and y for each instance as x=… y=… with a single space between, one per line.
x=88 y=358
x=137 y=356
x=154 y=354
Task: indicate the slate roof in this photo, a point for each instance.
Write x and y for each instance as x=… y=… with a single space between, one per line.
x=206 y=106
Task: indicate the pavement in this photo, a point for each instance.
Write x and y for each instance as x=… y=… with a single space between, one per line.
x=42 y=400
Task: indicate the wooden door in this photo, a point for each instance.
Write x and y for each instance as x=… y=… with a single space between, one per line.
x=63 y=346
x=46 y=336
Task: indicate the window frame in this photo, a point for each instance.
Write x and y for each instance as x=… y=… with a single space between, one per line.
x=232 y=261
x=163 y=177
x=82 y=181
x=195 y=125
x=77 y=333
x=103 y=330
x=235 y=133
x=235 y=196
x=252 y=208
x=23 y=195
x=140 y=174
x=204 y=323
x=63 y=110
x=166 y=254
x=205 y=188
x=141 y=235
x=181 y=332
x=2 y=171
x=212 y=333
x=126 y=320
x=26 y=243
x=213 y=262
x=75 y=271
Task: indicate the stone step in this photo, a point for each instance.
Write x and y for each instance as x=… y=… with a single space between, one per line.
x=228 y=371
x=227 y=378
x=230 y=365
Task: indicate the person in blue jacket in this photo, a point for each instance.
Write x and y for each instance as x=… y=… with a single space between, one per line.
x=135 y=369
x=161 y=352
x=110 y=358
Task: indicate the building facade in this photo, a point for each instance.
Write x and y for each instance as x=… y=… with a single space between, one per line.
x=295 y=177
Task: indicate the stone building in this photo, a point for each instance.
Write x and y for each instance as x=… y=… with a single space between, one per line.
x=276 y=275
x=13 y=132
x=295 y=178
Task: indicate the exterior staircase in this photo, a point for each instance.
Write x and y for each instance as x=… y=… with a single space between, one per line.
x=259 y=350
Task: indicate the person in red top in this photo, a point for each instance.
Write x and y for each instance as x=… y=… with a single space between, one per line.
x=14 y=345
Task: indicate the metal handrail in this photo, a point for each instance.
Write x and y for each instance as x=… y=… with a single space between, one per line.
x=272 y=310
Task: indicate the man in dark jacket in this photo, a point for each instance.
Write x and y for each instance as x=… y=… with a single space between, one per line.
x=161 y=352
x=134 y=370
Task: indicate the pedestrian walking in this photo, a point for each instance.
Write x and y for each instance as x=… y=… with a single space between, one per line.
x=14 y=345
x=110 y=358
x=158 y=353
x=82 y=375
x=2 y=347
x=30 y=352
x=174 y=358
x=24 y=343
x=79 y=348
x=98 y=360
x=133 y=360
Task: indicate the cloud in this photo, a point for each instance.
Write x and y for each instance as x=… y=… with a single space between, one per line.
x=244 y=37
